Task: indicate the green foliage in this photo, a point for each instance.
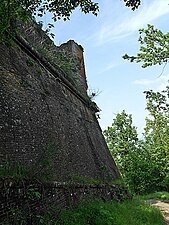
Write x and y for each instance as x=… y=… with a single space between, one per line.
x=154 y=47
x=143 y=163
x=119 y=182
x=66 y=62
x=60 y=9
x=154 y=50
x=10 y=11
x=157 y=134
x=112 y=213
x=62 y=59
x=14 y=10
x=29 y=62
x=97 y=213
x=157 y=195
x=17 y=171
x=32 y=194
x=134 y=4
x=42 y=171
x=124 y=146
x=121 y=137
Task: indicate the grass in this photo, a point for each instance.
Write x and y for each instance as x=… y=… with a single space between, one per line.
x=130 y=212
x=17 y=172
x=157 y=195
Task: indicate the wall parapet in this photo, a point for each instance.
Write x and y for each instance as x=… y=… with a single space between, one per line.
x=56 y=71
x=67 y=58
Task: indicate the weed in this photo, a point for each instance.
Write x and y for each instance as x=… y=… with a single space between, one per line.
x=17 y=171
x=119 y=182
x=42 y=171
x=29 y=62
x=33 y=193
x=86 y=180
x=129 y=212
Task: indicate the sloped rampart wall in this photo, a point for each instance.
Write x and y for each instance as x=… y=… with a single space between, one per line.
x=45 y=116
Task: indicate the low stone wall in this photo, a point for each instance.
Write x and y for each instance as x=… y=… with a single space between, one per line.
x=34 y=198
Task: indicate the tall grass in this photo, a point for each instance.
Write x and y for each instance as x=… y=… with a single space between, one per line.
x=131 y=212
x=163 y=195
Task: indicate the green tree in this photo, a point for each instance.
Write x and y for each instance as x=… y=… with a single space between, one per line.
x=122 y=141
x=154 y=50
x=154 y=47
x=121 y=137
x=133 y=4
x=129 y=153
x=12 y=10
x=156 y=135
x=142 y=163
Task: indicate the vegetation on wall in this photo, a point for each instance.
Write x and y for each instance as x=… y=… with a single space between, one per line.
x=14 y=10
x=64 y=60
x=96 y=212
x=42 y=171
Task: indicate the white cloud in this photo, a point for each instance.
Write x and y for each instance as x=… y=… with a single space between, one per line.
x=163 y=79
x=131 y=22
x=162 y=86
x=160 y=82
x=108 y=67
x=144 y=82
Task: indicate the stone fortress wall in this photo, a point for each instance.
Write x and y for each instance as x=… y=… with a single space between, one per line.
x=44 y=103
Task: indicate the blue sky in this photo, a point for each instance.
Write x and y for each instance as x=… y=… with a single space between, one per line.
x=105 y=39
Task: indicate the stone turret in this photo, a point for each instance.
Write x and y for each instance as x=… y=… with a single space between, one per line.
x=77 y=53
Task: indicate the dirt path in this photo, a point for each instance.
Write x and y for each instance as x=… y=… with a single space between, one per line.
x=163 y=206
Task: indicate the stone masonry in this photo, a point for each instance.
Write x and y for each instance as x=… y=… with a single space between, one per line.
x=44 y=113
